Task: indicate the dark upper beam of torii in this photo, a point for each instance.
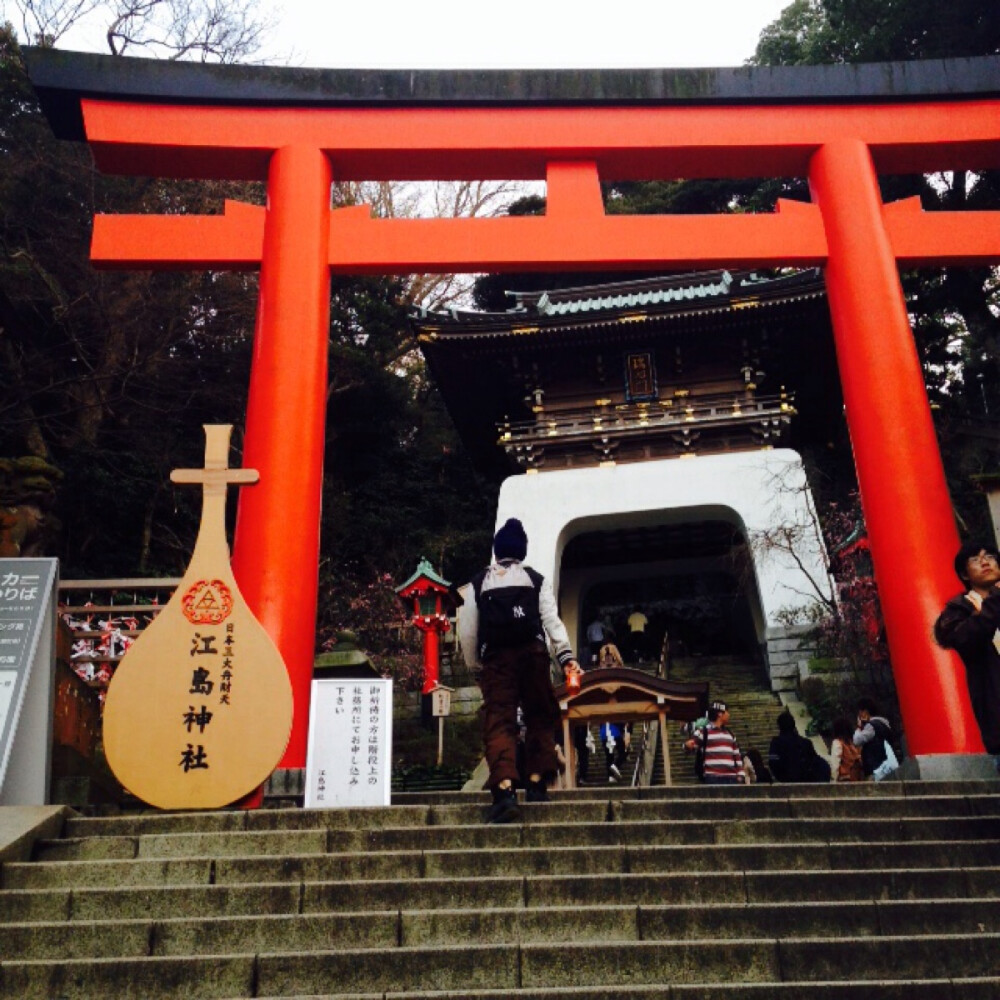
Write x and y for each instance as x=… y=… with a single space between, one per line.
x=62 y=78
x=839 y=126
x=64 y=81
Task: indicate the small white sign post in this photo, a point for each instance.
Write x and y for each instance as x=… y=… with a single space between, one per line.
x=440 y=709
x=349 y=761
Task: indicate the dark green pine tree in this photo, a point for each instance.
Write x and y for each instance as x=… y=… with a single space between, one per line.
x=107 y=376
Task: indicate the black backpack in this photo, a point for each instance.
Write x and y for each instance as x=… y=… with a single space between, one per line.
x=873 y=753
x=701 y=738
x=699 y=755
x=508 y=616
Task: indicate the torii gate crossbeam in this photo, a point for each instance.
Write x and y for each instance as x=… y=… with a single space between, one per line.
x=838 y=126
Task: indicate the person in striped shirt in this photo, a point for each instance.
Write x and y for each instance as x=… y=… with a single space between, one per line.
x=722 y=760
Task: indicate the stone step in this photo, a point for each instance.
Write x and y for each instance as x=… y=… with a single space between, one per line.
x=440 y=927
x=893 y=789
x=650 y=888
x=639 y=823
x=323 y=831
x=604 y=893
x=512 y=891
x=598 y=772
x=793 y=806
x=416 y=814
x=499 y=861
x=427 y=809
x=616 y=966
x=979 y=988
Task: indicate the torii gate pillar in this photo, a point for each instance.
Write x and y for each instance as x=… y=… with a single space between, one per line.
x=908 y=512
x=286 y=420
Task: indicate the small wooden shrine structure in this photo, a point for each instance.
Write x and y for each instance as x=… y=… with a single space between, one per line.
x=432 y=602
x=620 y=694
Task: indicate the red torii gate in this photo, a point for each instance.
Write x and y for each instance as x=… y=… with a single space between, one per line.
x=838 y=126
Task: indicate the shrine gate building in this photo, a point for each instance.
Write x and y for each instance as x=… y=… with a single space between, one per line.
x=653 y=421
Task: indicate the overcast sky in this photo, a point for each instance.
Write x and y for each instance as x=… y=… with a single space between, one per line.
x=516 y=34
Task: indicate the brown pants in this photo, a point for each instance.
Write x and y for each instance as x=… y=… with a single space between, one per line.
x=512 y=677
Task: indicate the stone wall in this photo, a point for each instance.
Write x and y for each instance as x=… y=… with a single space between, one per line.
x=788 y=651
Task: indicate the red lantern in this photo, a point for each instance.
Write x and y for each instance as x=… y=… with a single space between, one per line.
x=432 y=603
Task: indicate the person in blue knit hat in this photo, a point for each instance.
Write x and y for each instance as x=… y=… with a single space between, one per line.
x=508 y=615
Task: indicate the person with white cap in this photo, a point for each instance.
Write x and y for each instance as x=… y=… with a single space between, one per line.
x=722 y=760
x=509 y=611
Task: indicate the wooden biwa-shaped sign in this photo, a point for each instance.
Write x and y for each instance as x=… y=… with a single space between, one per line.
x=199 y=710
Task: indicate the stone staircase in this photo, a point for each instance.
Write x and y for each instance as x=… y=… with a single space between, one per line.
x=597 y=770
x=736 y=681
x=819 y=891
x=753 y=707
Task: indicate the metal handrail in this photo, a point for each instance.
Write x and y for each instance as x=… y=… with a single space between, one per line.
x=639 y=757
x=662 y=670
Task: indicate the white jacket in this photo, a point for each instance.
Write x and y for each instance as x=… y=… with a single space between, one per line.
x=510 y=573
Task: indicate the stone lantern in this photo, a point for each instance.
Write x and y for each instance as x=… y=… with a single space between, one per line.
x=432 y=603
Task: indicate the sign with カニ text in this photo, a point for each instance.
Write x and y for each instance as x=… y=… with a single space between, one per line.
x=350 y=743
x=27 y=653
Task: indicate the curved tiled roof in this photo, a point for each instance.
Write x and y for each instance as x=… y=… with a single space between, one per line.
x=629 y=300
x=709 y=290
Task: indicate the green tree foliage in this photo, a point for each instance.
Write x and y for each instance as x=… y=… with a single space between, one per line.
x=109 y=376
x=398 y=485
x=810 y=32
x=954 y=311
x=801 y=36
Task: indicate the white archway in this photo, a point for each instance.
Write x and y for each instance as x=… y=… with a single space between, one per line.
x=763 y=492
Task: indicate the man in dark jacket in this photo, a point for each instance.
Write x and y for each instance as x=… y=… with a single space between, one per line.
x=970 y=624
x=508 y=612
x=792 y=757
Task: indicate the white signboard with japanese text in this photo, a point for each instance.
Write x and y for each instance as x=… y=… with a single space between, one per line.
x=441 y=701
x=349 y=758
x=27 y=678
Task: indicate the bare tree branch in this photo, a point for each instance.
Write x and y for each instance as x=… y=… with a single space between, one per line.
x=44 y=22
x=225 y=31
x=791 y=539
x=440 y=199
